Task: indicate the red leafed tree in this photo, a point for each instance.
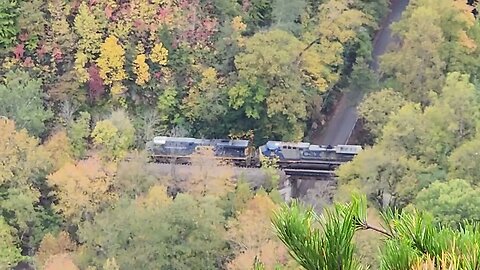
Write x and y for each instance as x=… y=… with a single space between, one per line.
x=95 y=83
x=19 y=50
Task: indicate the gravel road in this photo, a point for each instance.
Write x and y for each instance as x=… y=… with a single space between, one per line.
x=339 y=128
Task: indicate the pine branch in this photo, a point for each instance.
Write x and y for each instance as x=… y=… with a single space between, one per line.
x=379 y=230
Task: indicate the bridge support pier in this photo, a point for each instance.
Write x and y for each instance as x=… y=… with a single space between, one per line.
x=296 y=186
x=286 y=190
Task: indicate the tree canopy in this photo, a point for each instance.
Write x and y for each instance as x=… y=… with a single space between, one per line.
x=86 y=84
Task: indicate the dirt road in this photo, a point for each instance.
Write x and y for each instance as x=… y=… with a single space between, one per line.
x=342 y=123
x=339 y=128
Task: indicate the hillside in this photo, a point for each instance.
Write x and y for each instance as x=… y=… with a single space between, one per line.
x=86 y=84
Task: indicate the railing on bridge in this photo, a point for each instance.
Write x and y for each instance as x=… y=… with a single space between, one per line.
x=309 y=173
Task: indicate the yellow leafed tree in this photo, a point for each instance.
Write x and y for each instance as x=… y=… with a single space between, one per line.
x=81 y=60
x=159 y=54
x=156 y=197
x=114 y=135
x=83 y=189
x=143 y=11
x=141 y=69
x=111 y=63
x=89 y=25
x=238 y=25
x=111 y=264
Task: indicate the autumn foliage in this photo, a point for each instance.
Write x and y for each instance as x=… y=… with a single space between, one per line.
x=86 y=84
x=252 y=231
x=53 y=252
x=83 y=188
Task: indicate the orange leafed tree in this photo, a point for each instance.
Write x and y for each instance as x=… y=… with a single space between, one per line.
x=20 y=157
x=252 y=231
x=84 y=188
x=59 y=149
x=61 y=262
x=209 y=177
x=52 y=246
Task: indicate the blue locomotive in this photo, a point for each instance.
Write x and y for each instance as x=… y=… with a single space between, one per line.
x=242 y=153
x=308 y=156
x=180 y=150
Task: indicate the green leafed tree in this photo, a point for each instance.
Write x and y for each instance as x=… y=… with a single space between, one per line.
x=8 y=24
x=460 y=48
x=430 y=135
x=271 y=85
x=414 y=142
x=78 y=133
x=10 y=252
x=134 y=177
x=168 y=107
x=21 y=99
x=450 y=120
x=377 y=9
x=206 y=103
x=415 y=64
x=31 y=18
x=23 y=166
x=259 y=14
x=377 y=108
x=286 y=14
x=271 y=79
x=450 y=202
x=463 y=161
x=179 y=234
x=388 y=177
x=114 y=135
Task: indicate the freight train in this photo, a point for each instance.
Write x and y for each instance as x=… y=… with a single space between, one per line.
x=288 y=155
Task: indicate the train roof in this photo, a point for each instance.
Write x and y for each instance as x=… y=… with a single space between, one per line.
x=340 y=149
x=314 y=147
x=348 y=149
x=233 y=143
x=219 y=142
x=164 y=139
x=276 y=144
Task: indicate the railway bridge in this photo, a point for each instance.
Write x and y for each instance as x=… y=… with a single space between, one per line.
x=290 y=180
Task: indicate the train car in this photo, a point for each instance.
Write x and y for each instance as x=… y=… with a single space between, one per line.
x=238 y=152
x=180 y=150
x=168 y=149
x=308 y=156
x=241 y=153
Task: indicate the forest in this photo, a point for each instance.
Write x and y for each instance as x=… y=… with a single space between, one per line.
x=86 y=83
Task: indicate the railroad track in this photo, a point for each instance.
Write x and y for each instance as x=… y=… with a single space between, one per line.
x=288 y=171
x=310 y=173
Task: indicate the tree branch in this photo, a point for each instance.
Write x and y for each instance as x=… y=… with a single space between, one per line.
x=379 y=230
x=308 y=47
